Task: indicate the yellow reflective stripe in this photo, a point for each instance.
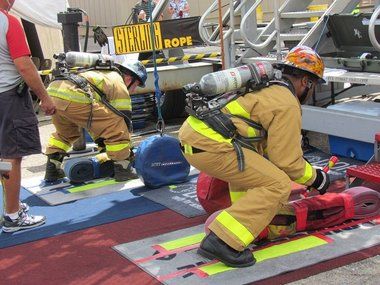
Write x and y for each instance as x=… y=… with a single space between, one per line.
x=66 y=94
x=205 y=130
x=273 y=251
x=188 y=149
x=236 y=195
x=182 y=242
x=122 y=104
x=59 y=144
x=117 y=147
x=96 y=78
x=240 y=231
x=251 y=132
x=236 y=109
x=92 y=186
x=307 y=175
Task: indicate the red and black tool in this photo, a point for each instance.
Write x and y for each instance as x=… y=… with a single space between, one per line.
x=330 y=164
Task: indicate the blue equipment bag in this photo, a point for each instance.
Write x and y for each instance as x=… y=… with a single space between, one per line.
x=159 y=161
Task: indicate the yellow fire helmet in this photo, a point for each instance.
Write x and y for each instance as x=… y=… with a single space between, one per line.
x=306 y=59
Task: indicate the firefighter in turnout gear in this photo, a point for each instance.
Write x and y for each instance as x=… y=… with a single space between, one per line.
x=102 y=107
x=261 y=188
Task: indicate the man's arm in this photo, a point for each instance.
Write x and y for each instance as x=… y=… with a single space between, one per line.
x=20 y=54
x=28 y=72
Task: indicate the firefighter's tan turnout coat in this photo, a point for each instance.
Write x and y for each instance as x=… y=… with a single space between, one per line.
x=263 y=188
x=74 y=107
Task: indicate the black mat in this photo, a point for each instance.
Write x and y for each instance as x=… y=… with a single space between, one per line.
x=181 y=198
x=319 y=158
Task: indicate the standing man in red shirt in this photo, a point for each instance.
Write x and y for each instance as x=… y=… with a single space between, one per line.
x=19 y=135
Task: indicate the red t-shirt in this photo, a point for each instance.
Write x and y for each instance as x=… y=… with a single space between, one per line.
x=12 y=46
x=16 y=38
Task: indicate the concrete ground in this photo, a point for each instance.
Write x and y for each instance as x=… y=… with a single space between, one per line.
x=366 y=272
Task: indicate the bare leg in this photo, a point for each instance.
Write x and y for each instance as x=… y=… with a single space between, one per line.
x=12 y=186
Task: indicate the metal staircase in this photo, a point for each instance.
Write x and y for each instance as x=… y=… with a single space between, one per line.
x=285 y=30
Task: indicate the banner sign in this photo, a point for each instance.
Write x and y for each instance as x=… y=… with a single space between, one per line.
x=167 y=35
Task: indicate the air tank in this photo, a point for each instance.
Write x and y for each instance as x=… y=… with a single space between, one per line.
x=86 y=60
x=235 y=78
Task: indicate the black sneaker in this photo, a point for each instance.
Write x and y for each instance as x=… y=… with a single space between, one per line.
x=24 y=221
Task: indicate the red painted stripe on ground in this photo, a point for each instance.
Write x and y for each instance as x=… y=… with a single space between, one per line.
x=85 y=256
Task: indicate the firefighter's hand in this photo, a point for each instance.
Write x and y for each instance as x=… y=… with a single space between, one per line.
x=321 y=182
x=47 y=105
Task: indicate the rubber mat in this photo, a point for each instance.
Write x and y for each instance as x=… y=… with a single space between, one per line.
x=319 y=158
x=172 y=259
x=62 y=192
x=181 y=198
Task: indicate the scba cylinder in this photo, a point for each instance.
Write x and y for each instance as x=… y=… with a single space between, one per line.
x=235 y=78
x=86 y=60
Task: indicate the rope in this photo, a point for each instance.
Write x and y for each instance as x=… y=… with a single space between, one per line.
x=160 y=126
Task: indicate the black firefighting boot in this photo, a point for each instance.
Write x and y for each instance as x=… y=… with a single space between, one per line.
x=53 y=170
x=213 y=247
x=124 y=171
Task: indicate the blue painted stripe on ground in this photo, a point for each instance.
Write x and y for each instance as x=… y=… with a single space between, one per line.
x=79 y=214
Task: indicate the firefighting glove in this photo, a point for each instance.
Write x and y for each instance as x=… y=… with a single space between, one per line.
x=321 y=182
x=99 y=36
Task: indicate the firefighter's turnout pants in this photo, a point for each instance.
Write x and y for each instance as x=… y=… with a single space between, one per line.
x=261 y=183
x=262 y=189
x=75 y=109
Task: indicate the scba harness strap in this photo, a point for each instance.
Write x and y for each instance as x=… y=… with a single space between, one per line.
x=222 y=123
x=84 y=84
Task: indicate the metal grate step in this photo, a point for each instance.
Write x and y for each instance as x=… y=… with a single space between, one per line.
x=369 y=172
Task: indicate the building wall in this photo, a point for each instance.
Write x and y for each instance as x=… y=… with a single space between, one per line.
x=51 y=40
x=115 y=12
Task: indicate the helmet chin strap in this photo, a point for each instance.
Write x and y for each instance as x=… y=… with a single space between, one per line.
x=132 y=82
x=303 y=96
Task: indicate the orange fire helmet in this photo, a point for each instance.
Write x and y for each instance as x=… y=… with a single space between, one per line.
x=305 y=58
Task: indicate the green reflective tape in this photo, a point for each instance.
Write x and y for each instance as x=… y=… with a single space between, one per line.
x=236 y=109
x=233 y=225
x=271 y=252
x=53 y=142
x=117 y=147
x=122 y=104
x=69 y=95
x=182 y=242
x=307 y=175
x=91 y=186
x=205 y=130
x=234 y=196
x=188 y=149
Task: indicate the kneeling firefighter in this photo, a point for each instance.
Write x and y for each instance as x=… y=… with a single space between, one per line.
x=254 y=144
x=98 y=100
